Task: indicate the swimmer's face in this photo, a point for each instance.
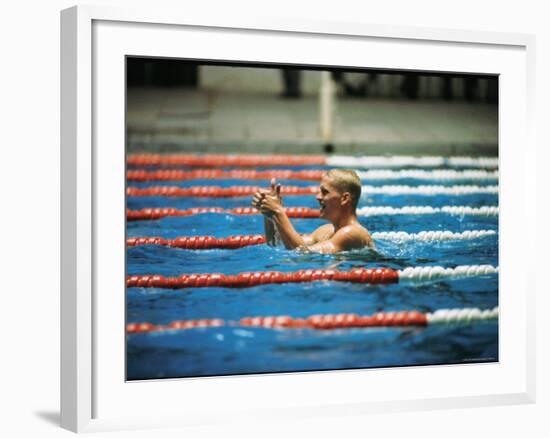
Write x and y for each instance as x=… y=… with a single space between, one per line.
x=330 y=200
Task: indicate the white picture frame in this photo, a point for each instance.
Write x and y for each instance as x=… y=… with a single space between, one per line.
x=93 y=398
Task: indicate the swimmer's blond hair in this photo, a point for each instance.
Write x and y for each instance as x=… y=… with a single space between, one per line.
x=346 y=180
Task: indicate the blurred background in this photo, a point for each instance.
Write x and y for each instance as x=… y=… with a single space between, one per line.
x=185 y=106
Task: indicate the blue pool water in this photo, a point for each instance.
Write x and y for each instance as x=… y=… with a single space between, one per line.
x=241 y=350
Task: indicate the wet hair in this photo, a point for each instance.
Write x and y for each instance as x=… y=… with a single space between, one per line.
x=346 y=180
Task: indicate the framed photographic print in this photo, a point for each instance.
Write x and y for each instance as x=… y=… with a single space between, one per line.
x=252 y=209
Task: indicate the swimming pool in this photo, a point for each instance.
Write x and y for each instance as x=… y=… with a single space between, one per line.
x=233 y=348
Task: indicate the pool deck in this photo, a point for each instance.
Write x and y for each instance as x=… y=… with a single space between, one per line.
x=187 y=120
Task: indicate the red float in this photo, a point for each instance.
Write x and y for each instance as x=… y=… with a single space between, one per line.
x=159 y=213
x=186 y=175
x=214 y=191
x=250 y=279
x=317 y=322
x=212 y=160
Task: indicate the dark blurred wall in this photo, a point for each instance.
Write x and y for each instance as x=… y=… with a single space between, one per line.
x=143 y=72
x=157 y=72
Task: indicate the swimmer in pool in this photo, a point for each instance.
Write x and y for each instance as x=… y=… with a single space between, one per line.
x=339 y=193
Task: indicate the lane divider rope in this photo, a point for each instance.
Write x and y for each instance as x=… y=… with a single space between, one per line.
x=412 y=161
x=235 y=242
x=214 y=191
x=356 y=275
x=305 y=175
x=329 y=321
x=185 y=175
x=212 y=160
x=428 y=190
x=236 y=191
x=460 y=210
x=308 y=213
x=445 y=174
x=429 y=273
x=431 y=236
x=450 y=316
x=158 y=213
x=199 y=242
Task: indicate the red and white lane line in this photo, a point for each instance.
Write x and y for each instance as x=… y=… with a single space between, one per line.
x=410 y=161
x=158 y=213
x=245 y=160
x=431 y=236
x=311 y=213
x=214 y=191
x=429 y=273
x=236 y=191
x=199 y=242
x=240 y=241
x=459 y=210
x=442 y=175
x=186 y=175
x=428 y=190
x=307 y=175
x=224 y=160
x=329 y=321
x=356 y=275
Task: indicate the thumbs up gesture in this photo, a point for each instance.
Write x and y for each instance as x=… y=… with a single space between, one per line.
x=269 y=202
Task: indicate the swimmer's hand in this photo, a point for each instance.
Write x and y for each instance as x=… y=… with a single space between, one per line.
x=269 y=202
x=270 y=205
x=276 y=190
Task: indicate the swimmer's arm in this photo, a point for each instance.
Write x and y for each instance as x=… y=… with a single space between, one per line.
x=272 y=236
x=318 y=235
x=308 y=239
x=290 y=237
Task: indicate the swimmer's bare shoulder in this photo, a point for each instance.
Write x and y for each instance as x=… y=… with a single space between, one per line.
x=352 y=236
x=346 y=238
